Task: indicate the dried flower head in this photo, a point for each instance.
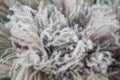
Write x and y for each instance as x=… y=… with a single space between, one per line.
x=66 y=40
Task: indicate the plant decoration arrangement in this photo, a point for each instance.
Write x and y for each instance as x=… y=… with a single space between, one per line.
x=60 y=39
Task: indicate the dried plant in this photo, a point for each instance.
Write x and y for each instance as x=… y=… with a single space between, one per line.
x=65 y=40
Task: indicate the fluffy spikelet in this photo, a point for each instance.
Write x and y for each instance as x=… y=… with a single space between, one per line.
x=102 y=26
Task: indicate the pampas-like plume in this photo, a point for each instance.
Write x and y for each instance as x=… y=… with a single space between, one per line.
x=66 y=40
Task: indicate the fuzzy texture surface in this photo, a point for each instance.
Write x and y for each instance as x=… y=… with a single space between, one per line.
x=65 y=40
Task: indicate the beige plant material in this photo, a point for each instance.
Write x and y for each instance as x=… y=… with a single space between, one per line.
x=32 y=3
x=6 y=4
x=102 y=25
x=4 y=38
x=5 y=47
x=66 y=40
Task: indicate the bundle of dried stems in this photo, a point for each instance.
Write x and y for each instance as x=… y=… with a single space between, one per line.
x=65 y=40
